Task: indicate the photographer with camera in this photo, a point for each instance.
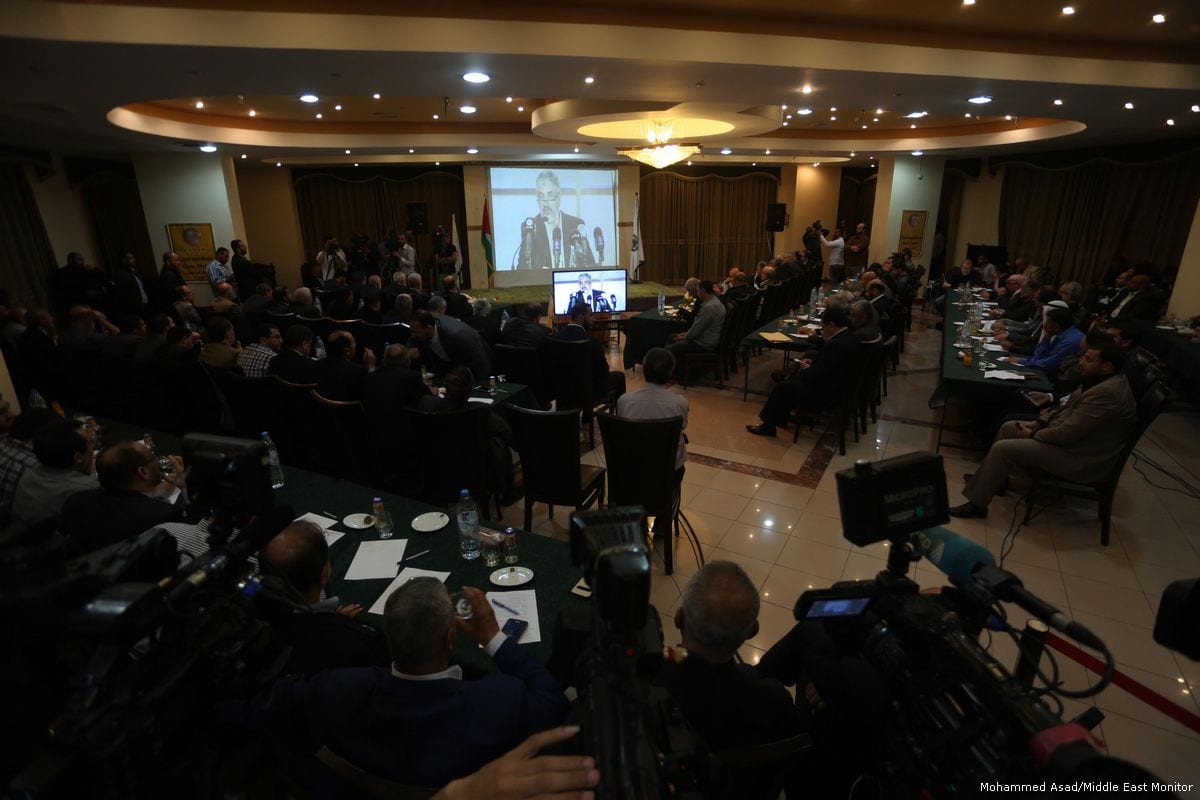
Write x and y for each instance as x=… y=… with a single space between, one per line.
x=812 y=244
x=331 y=261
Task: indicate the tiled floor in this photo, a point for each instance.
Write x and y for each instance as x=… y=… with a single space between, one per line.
x=771 y=506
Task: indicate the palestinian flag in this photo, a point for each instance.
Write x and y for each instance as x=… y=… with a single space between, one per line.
x=485 y=234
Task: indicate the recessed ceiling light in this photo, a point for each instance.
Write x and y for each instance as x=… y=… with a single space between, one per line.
x=347 y=152
x=832 y=109
x=879 y=111
x=319 y=115
x=918 y=152
x=804 y=112
x=520 y=108
x=789 y=116
x=309 y=98
x=754 y=163
x=1068 y=10
x=852 y=154
x=833 y=118
x=874 y=119
x=279 y=163
x=435 y=116
x=576 y=149
x=589 y=79
x=968 y=2
x=689 y=162
x=1170 y=122
x=253 y=113
x=1008 y=117
x=199 y=104
x=725 y=151
x=980 y=100
x=476 y=77
x=967 y=115
x=411 y=150
x=208 y=148
x=816 y=163
x=243 y=155
x=913 y=125
x=1196 y=109
x=1129 y=106
x=338 y=107
x=437 y=163
x=1057 y=102
x=508 y=99
x=1159 y=18
x=356 y=163
x=871 y=157
x=785 y=122
x=472 y=150
x=467 y=109
x=784 y=106
x=864 y=127
x=375 y=96
x=917 y=114
x=807 y=90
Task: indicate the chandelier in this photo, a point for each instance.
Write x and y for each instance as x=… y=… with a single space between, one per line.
x=660 y=153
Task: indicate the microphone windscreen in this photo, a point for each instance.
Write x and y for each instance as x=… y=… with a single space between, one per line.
x=953 y=554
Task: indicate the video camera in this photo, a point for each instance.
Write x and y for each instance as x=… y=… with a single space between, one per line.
x=631 y=726
x=950 y=716
x=121 y=653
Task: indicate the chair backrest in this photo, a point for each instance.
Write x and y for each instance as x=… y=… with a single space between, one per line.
x=282 y=321
x=378 y=337
x=251 y=400
x=293 y=401
x=522 y=365
x=452 y=449
x=338 y=430
x=1152 y=400
x=195 y=400
x=567 y=373
x=639 y=456
x=548 y=442
x=757 y=771
x=322 y=326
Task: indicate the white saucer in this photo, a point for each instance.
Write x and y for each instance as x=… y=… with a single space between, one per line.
x=359 y=522
x=511 y=576
x=430 y=522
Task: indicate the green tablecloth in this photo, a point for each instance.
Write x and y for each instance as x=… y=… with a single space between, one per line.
x=1176 y=350
x=962 y=379
x=754 y=342
x=646 y=331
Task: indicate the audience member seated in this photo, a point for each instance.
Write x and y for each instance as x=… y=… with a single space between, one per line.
x=445 y=342
x=372 y=307
x=342 y=304
x=1070 y=369
x=181 y=347
x=691 y=299
x=457 y=304
x=65 y=459
x=965 y=276
x=402 y=310
x=261 y=300
x=40 y=354
x=1060 y=338
x=281 y=301
x=185 y=307
x=17 y=456
x=133 y=497
x=604 y=380
x=255 y=360
x=302 y=304
x=126 y=343
x=526 y=329
x=220 y=349
x=728 y=703
x=459 y=383
x=705 y=332
x=1140 y=302
x=739 y=289
x=157 y=326
x=225 y=301
x=1077 y=440
x=14 y=325
x=419 y=723
x=325 y=636
x=865 y=322
x=482 y=323
x=819 y=384
x=1018 y=301
x=294 y=363
x=880 y=297
x=394 y=385
x=436 y=306
x=339 y=376
x=655 y=401
x=87 y=331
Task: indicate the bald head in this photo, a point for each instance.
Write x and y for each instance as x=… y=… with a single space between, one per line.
x=128 y=466
x=300 y=555
x=719 y=611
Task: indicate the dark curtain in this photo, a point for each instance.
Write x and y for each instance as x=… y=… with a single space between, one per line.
x=856 y=198
x=27 y=258
x=1076 y=220
x=114 y=205
x=949 y=210
x=331 y=204
x=701 y=226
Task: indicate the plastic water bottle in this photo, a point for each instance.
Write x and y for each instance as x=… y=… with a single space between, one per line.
x=662 y=301
x=318 y=348
x=383 y=520
x=509 y=544
x=503 y=318
x=36 y=400
x=814 y=297
x=273 y=459
x=468 y=527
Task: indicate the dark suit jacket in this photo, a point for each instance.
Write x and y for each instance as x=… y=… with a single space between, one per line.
x=339 y=379
x=328 y=640
x=422 y=733
x=457 y=305
x=521 y=332
x=541 y=255
x=1144 y=305
x=738 y=293
x=488 y=328
x=821 y=384
x=293 y=367
x=97 y=518
x=464 y=347
x=391 y=387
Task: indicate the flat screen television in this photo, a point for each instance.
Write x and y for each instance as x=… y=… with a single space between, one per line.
x=604 y=290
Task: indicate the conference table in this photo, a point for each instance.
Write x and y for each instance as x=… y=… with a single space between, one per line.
x=647 y=330
x=784 y=333
x=1174 y=346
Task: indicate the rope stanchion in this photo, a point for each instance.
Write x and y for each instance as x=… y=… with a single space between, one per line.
x=1147 y=695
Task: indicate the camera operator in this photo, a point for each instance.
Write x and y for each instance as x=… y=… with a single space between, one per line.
x=331 y=261
x=812 y=244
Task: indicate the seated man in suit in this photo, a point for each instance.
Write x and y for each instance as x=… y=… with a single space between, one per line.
x=132 y=498
x=445 y=342
x=220 y=349
x=339 y=376
x=1078 y=439
x=394 y=385
x=87 y=331
x=65 y=467
x=457 y=304
x=325 y=636
x=459 y=383
x=482 y=322
x=729 y=704
x=739 y=288
x=302 y=304
x=865 y=322
x=419 y=722
x=294 y=363
x=705 y=332
x=260 y=300
x=401 y=311
x=1140 y=301
x=525 y=330
x=820 y=383
x=157 y=326
x=604 y=380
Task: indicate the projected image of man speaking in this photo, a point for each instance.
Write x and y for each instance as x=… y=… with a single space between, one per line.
x=553 y=239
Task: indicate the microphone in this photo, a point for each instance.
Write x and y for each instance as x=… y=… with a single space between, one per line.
x=598 y=238
x=527 y=242
x=557 y=246
x=1008 y=586
x=956 y=556
x=216 y=563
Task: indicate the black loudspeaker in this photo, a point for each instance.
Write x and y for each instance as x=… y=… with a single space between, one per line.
x=418 y=217
x=776 y=216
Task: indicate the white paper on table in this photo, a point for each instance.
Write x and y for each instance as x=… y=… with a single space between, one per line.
x=406 y=575
x=1003 y=375
x=487 y=401
x=331 y=537
x=987 y=324
x=321 y=520
x=993 y=347
x=376 y=559
x=524 y=602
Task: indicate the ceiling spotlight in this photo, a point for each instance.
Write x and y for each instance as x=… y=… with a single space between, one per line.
x=319 y=115
x=437 y=163
x=338 y=107
x=767 y=152
x=435 y=116
x=807 y=90
x=576 y=149
x=1170 y=122
x=375 y=96
x=789 y=116
x=476 y=77
x=410 y=150
x=804 y=112
x=309 y=98
x=1057 y=102
x=864 y=127
x=852 y=154
x=472 y=150
x=208 y=148
x=1129 y=106
x=199 y=104
x=816 y=163
x=356 y=163
x=914 y=125
x=253 y=113
x=1196 y=109
x=243 y=155
x=918 y=152
x=520 y=108
x=980 y=100
x=589 y=79
x=916 y=115
x=279 y=163
x=467 y=109
x=784 y=106
x=754 y=163
x=832 y=108
x=725 y=151
x=878 y=111
x=1008 y=117
x=968 y=2
x=347 y=152
x=689 y=162
x=1159 y=18
x=833 y=119
x=967 y=115
x=508 y=99
x=871 y=157
x=1068 y=10
x=874 y=119
x=785 y=122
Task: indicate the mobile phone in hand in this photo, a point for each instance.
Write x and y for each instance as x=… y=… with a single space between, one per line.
x=515 y=629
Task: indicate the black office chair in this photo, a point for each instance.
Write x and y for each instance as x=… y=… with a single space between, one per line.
x=844 y=413
x=251 y=402
x=640 y=458
x=338 y=431
x=453 y=450
x=522 y=365
x=567 y=372
x=293 y=402
x=548 y=442
x=378 y=337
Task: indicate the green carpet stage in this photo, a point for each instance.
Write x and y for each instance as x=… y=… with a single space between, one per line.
x=641 y=295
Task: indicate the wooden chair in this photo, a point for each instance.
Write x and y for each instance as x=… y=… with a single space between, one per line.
x=640 y=459
x=251 y=401
x=548 y=442
x=452 y=449
x=292 y=402
x=567 y=374
x=522 y=365
x=378 y=337
x=874 y=362
x=842 y=414
x=719 y=360
x=338 y=431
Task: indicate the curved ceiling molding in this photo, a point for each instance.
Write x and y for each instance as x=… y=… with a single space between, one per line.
x=625 y=123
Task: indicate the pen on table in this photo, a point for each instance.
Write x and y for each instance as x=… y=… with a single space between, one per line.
x=330 y=514
x=507 y=608
x=410 y=558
